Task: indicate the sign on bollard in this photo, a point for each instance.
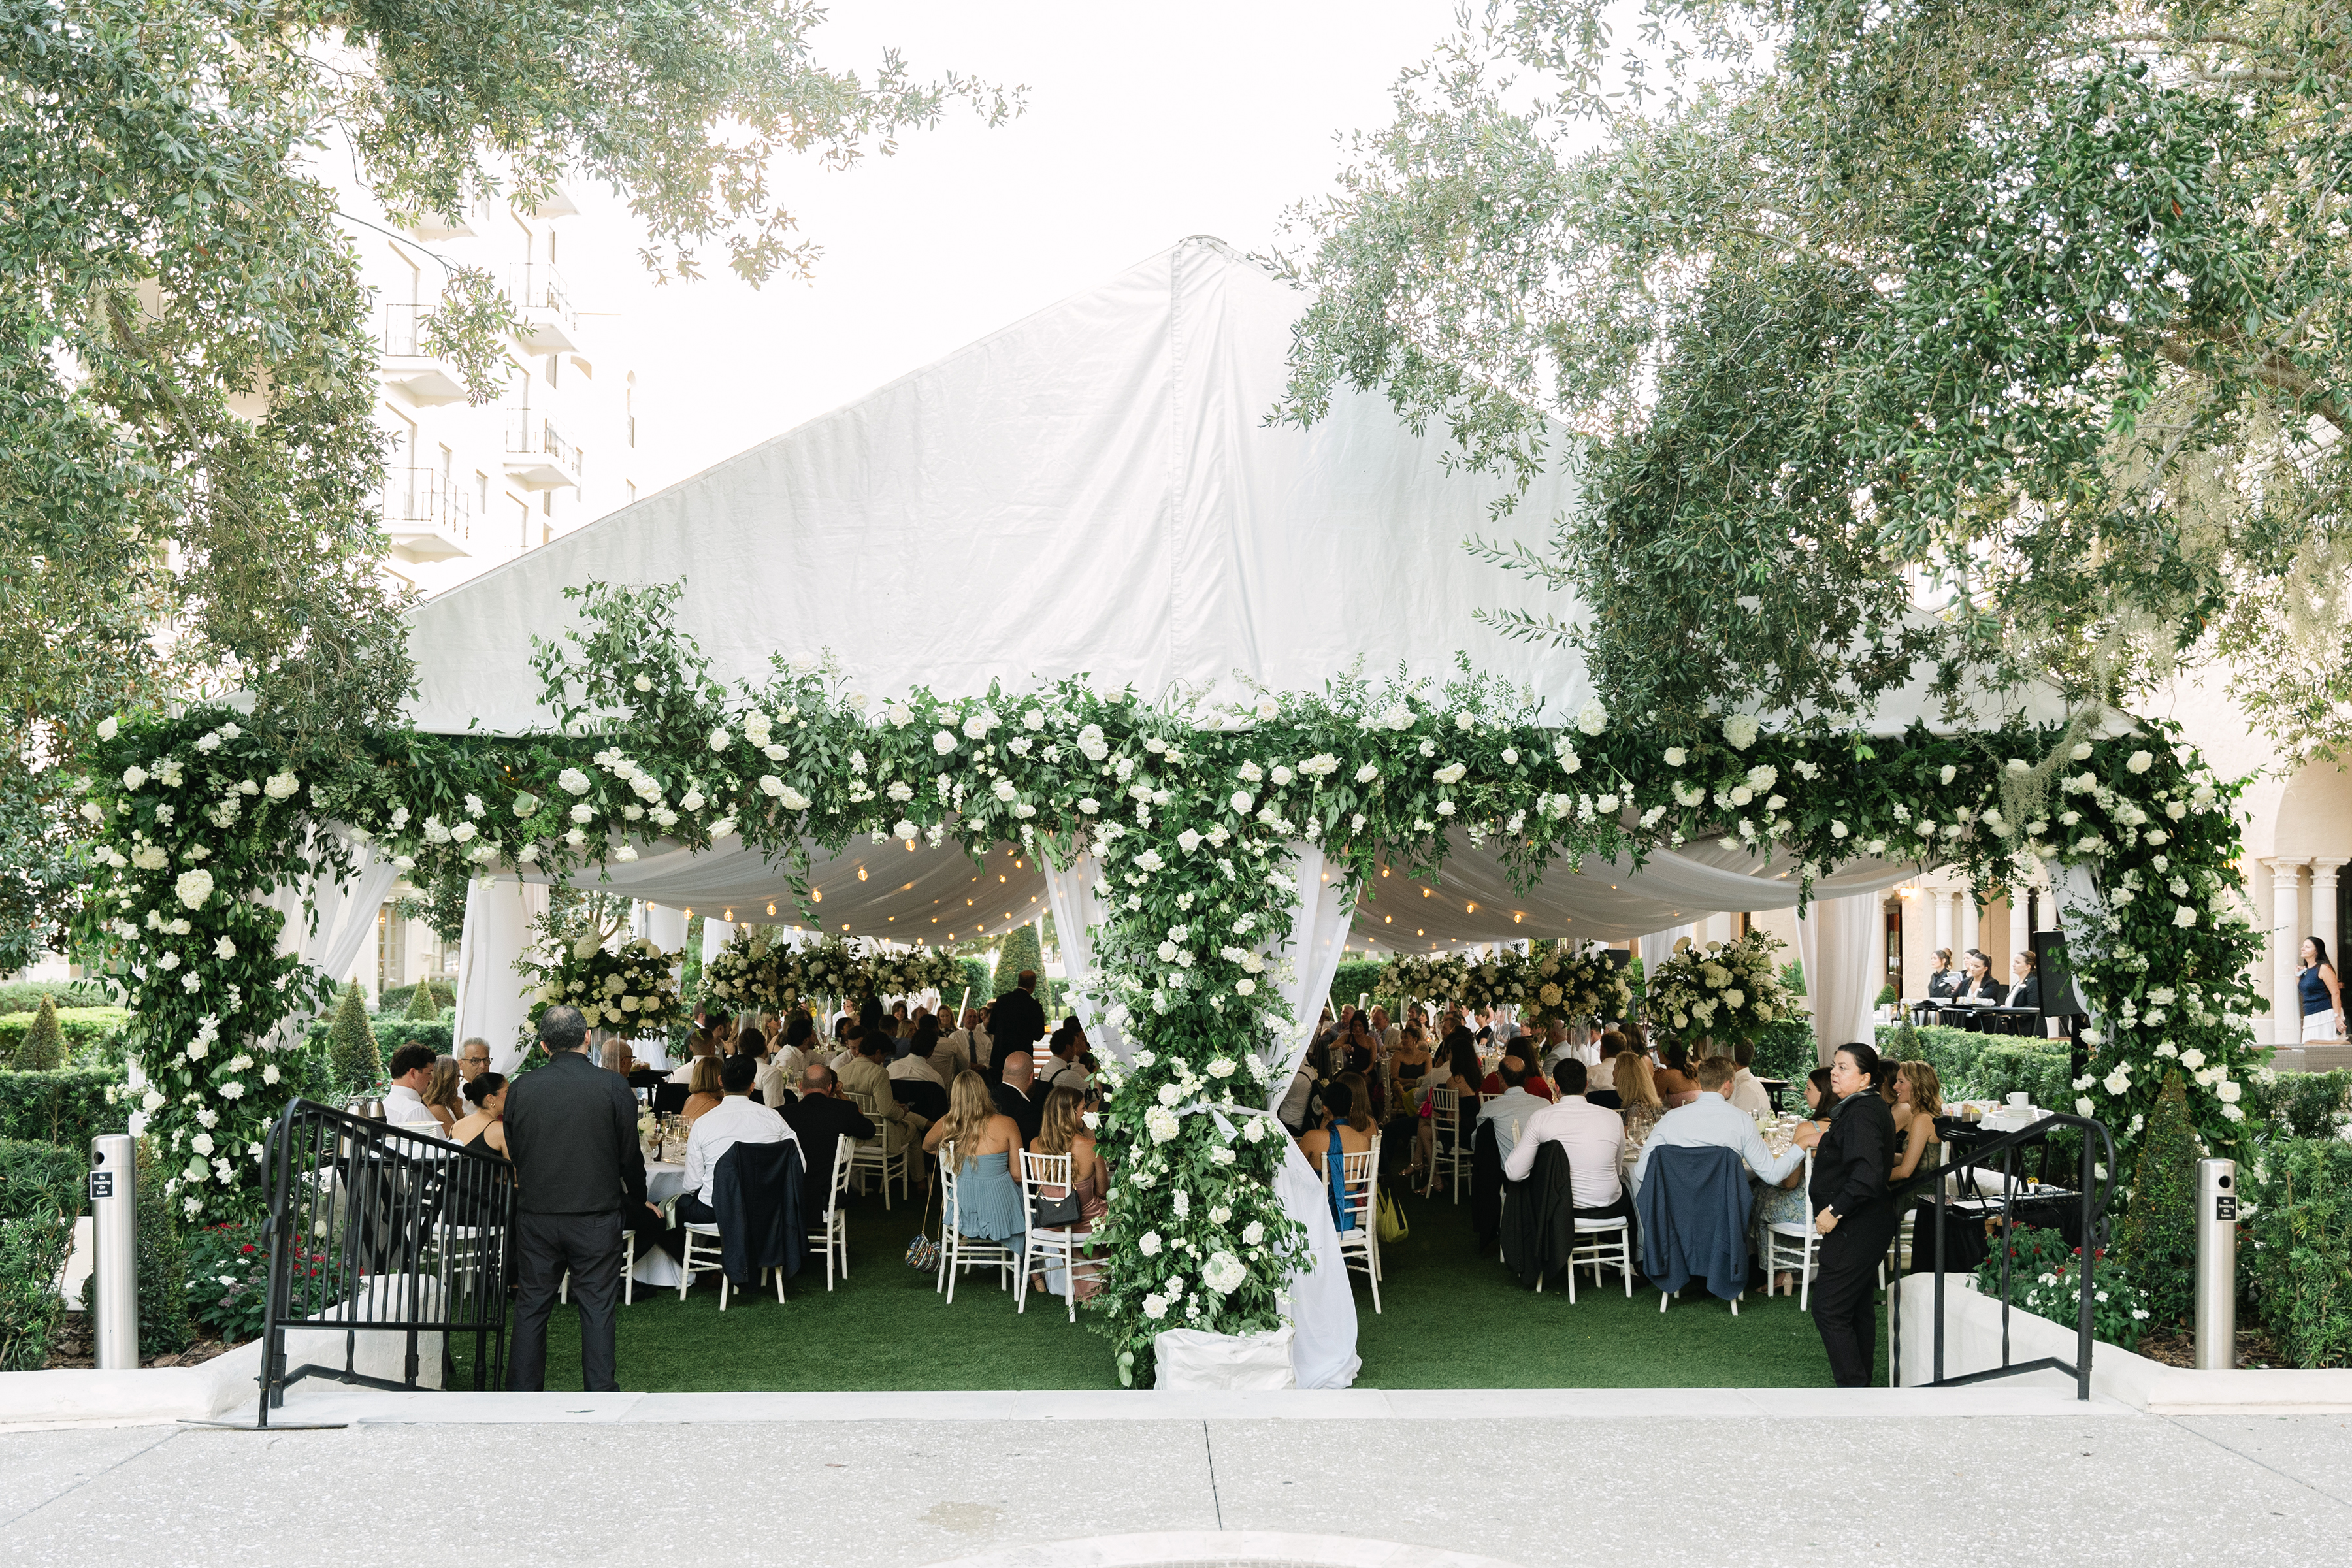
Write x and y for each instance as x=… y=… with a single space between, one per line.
x=2216 y=1265
x=114 y=1242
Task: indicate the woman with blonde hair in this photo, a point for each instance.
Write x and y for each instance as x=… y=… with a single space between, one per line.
x=1064 y=1131
x=442 y=1094
x=704 y=1089
x=1918 y=1100
x=1637 y=1089
x=975 y=1143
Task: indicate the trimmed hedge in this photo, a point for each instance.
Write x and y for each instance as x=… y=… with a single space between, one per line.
x=88 y=1032
x=2159 y=1239
x=68 y=1107
x=1985 y=1066
x=1357 y=977
x=397 y=1000
x=40 y=1179
x=25 y=995
x=2299 y=1275
x=389 y=1035
x=41 y=1194
x=1020 y=952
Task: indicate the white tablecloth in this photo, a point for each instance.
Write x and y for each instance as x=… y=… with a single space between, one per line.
x=655 y=1267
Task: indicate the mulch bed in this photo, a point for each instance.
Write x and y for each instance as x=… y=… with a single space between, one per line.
x=73 y=1349
x=2179 y=1348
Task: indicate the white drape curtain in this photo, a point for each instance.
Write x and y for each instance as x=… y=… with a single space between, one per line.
x=346 y=911
x=491 y=1002
x=1322 y=1302
x=1659 y=945
x=1834 y=942
x=1077 y=910
x=1318 y=934
x=716 y=934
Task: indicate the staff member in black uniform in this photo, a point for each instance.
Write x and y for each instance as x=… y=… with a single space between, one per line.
x=571 y=1132
x=1853 y=1213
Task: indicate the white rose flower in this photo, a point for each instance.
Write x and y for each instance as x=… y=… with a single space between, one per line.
x=1187 y=841
x=194 y=887
x=572 y=781
x=2139 y=762
x=722 y=827
x=168 y=963
x=719 y=741
x=1450 y=773
x=1282 y=776
x=463 y=832
x=106 y=728
x=2184 y=915
x=1242 y=802
x=1090 y=805
x=1368 y=772
x=1149 y=860
x=584 y=812
x=1149 y=1244
x=1947 y=773
x=224 y=948
x=1245 y=986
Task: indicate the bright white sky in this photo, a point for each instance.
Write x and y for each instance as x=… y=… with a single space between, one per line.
x=1143 y=126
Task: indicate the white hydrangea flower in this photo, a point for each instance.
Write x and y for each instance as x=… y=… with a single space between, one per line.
x=1593 y=716
x=279 y=786
x=194 y=887
x=1741 y=729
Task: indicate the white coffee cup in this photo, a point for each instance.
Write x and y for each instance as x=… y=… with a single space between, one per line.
x=2020 y=1098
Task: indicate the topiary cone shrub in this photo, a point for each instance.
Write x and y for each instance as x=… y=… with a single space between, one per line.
x=44 y=1048
x=2159 y=1231
x=350 y=1044
x=421 y=1004
x=1020 y=952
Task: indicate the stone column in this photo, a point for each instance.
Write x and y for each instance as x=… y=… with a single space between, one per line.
x=2322 y=905
x=2286 y=943
x=1968 y=913
x=1943 y=902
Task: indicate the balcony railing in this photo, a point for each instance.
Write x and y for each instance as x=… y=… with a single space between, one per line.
x=534 y=434
x=418 y=498
x=403 y=331
x=542 y=306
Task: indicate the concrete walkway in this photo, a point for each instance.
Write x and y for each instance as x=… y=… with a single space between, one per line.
x=1625 y=1479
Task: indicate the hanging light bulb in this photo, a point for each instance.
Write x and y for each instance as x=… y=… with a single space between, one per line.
x=729 y=915
x=816 y=895
x=861 y=873
x=772 y=906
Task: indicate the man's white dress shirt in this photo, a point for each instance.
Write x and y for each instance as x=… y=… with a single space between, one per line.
x=1594 y=1138
x=1513 y=1105
x=404 y=1107
x=737 y=1119
x=1713 y=1121
x=1749 y=1094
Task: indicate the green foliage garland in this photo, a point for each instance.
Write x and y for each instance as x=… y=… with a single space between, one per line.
x=1191 y=810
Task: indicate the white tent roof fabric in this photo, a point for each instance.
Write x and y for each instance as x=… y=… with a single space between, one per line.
x=1094 y=489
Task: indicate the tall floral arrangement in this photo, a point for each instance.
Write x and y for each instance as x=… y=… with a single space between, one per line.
x=1727 y=991
x=628 y=987
x=753 y=971
x=1194 y=811
x=883 y=973
x=1544 y=984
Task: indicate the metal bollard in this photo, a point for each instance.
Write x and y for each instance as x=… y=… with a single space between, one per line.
x=2216 y=1265
x=114 y=1241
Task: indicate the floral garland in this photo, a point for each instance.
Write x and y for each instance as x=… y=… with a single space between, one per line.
x=1192 y=811
x=1728 y=991
x=1545 y=985
x=757 y=970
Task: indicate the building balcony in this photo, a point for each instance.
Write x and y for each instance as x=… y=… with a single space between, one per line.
x=538 y=459
x=425 y=517
x=545 y=322
x=406 y=360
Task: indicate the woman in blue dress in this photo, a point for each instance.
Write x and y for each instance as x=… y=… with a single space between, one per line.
x=981 y=1140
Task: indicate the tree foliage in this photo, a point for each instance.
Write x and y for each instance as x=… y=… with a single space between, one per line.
x=2010 y=338
x=351 y=1042
x=1021 y=950
x=44 y=1050
x=188 y=460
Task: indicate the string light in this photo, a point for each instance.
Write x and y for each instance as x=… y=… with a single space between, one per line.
x=861 y=873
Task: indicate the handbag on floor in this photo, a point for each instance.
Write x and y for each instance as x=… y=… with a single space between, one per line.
x=923 y=1252
x=1392 y=1222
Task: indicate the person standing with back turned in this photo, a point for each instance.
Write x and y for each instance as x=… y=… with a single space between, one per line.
x=1018 y=1022
x=571 y=1132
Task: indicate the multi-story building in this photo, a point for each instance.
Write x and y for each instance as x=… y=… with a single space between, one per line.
x=468 y=485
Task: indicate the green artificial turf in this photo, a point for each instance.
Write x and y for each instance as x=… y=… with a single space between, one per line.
x=1453 y=1318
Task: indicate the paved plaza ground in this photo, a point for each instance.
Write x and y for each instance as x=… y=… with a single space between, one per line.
x=1627 y=1478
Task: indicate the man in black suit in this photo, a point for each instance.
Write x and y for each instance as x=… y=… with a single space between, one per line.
x=1017 y=1095
x=571 y=1132
x=818 y=1119
x=1017 y=1024
x=1854 y=1212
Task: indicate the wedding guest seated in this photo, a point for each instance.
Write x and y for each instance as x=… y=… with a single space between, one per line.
x=868 y=1073
x=1016 y=1094
x=616 y=1058
x=704 y=1089
x=736 y=1118
x=1512 y=1102
x=1602 y=1078
x=988 y=1204
x=1061 y=1070
x=1918 y=1100
x=1535 y=1082
x=411 y=1071
x=1711 y=1120
x=1637 y=1088
x=1344 y=1123
x=1675 y=1082
x=442 y=1096
x=700 y=1045
x=1747 y=1090
x=1063 y=1132
x=916 y=1063
x=821 y=1117
x=1592 y=1138
x=484 y=1127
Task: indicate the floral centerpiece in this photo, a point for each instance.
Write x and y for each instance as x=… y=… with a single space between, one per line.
x=905 y=973
x=1725 y=990
x=629 y=989
x=1578 y=987
x=1544 y=986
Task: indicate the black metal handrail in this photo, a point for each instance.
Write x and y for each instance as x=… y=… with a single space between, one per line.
x=382 y=1229
x=2094 y=1184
